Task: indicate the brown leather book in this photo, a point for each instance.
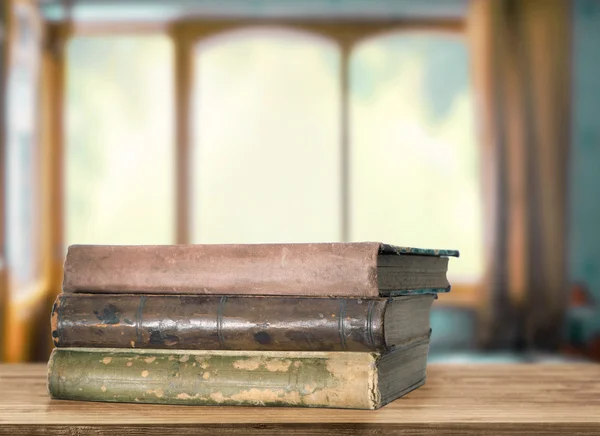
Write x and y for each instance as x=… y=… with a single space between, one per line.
x=364 y=269
x=197 y=322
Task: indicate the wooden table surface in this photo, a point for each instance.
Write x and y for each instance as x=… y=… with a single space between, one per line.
x=457 y=399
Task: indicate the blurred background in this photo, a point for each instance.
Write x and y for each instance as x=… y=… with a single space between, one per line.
x=470 y=125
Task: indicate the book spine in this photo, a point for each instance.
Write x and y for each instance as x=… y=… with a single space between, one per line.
x=218 y=323
x=270 y=269
x=337 y=380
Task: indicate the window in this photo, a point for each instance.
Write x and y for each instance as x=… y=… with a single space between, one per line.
x=22 y=183
x=266 y=165
x=267 y=158
x=414 y=161
x=119 y=150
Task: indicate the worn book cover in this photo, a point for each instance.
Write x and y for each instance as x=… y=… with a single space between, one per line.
x=205 y=322
x=240 y=378
x=365 y=269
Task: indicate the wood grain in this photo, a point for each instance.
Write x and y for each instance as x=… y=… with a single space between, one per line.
x=457 y=399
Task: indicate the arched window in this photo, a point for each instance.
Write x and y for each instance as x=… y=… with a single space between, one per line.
x=414 y=172
x=119 y=148
x=269 y=161
x=266 y=161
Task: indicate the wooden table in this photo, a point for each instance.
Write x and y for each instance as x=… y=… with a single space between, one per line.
x=457 y=399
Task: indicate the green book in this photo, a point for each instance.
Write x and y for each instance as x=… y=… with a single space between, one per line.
x=242 y=378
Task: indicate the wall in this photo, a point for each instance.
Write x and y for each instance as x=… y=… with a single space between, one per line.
x=583 y=321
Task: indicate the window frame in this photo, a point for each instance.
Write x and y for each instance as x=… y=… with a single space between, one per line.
x=19 y=313
x=185 y=35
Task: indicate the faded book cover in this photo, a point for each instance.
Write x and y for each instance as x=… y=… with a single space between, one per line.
x=299 y=379
x=364 y=269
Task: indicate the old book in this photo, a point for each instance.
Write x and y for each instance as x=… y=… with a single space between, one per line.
x=367 y=269
x=249 y=378
x=203 y=322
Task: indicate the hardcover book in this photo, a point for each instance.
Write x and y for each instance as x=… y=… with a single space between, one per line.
x=201 y=322
x=240 y=378
x=367 y=269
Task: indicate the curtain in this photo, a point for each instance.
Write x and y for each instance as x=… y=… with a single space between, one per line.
x=520 y=66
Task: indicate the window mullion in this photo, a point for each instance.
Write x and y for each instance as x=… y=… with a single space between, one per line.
x=345 y=140
x=183 y=68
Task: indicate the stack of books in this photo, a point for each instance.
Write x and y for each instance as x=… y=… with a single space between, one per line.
x=343 y=325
